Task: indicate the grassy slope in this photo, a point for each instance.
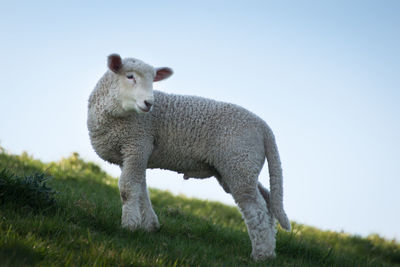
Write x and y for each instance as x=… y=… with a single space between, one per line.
x=83 y=228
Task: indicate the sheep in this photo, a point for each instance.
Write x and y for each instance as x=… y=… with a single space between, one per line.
x=137 y=128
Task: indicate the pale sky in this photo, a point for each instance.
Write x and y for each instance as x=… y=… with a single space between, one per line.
x=325 y=75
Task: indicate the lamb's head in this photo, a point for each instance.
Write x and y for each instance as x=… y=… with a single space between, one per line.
x=135 y=82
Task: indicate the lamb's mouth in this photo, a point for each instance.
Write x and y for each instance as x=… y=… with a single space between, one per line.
x=145 y=110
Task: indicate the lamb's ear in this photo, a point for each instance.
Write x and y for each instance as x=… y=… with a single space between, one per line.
x=114 y=62
x=162 y=74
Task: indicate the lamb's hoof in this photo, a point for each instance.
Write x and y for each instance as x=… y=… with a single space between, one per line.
x=260 y=256
x=130 y=226
x=152 y=227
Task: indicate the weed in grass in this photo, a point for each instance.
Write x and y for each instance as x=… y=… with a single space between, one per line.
x=31 y=191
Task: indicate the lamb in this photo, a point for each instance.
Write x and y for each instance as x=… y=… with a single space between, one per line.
x=137 y=128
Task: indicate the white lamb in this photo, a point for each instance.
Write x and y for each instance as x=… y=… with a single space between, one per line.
x=137 y=128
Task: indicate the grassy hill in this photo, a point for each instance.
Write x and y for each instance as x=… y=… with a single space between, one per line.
x=67 y=213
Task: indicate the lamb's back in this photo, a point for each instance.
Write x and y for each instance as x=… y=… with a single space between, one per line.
x=191 y=129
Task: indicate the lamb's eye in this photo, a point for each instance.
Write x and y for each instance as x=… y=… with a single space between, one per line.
x=129 y=76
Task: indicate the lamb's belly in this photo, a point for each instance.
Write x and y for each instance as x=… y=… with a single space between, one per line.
x=190 y=167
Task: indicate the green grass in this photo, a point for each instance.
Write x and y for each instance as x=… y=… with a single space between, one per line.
x=67 y=213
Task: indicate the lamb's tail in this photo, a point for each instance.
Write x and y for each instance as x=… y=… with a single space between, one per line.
x=275 y=198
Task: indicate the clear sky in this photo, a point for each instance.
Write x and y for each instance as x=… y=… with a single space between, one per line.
x=325 y=75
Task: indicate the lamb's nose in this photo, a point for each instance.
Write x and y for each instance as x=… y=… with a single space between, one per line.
x=148 y=104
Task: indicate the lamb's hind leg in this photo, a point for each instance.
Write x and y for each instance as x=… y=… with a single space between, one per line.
x=242 y=182
x=259 y=222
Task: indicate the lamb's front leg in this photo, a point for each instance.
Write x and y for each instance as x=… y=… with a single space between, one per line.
x=149 y=217
x=137 y=211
